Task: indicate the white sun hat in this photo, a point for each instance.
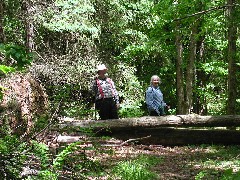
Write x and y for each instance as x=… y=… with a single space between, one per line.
x=101 y=67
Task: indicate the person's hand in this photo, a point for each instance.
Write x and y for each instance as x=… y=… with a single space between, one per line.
x=118 y=105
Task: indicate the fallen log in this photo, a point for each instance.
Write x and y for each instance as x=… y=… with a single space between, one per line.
x=166 y=130
x=191 y=120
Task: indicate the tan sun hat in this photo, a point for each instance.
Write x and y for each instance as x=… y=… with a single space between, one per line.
x=101 y=67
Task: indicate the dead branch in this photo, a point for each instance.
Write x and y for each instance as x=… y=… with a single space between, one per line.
x=137 y=139
x=54 y=116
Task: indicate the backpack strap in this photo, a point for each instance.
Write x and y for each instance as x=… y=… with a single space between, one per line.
x=100 y=88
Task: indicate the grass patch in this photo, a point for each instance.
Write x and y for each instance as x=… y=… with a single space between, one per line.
x=137 y=169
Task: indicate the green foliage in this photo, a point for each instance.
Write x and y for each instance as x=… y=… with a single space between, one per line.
x=6 y=69
x=73 y=158
x=45 y=175
x=229 y=174
x=130 y=90
x=138 y=169
x=58 y=163
x=40 y=122
x=41 y=151
x=213 y=94
x=13 y=23
x=15 y=56
x=132 y=110
x=70 y=16
x=74 y=101
x=78 y=110
x=11 y=157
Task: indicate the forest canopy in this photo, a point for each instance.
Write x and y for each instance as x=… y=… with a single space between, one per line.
x=192 y=46
x=49 y=50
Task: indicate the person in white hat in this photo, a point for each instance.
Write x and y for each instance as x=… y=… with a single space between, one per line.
x=106 y=95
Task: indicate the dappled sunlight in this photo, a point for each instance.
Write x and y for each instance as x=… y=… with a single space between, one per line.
x=222 y=165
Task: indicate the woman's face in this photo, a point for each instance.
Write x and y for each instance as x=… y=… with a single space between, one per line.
x=155 y=82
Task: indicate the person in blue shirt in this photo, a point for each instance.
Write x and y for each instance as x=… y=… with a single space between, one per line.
x=154 y=98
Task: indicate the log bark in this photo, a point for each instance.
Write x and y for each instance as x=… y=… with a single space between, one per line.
x=191 y=120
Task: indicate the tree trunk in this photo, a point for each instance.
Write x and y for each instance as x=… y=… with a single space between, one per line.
x=179 y=74
x=190 y=74
x=2 y=37
x=232 y=38
x=200 y=106
x=29 y=25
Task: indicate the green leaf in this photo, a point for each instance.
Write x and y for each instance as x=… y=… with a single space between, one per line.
x=6 y=69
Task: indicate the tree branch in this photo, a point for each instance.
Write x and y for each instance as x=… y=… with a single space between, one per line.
x=202 y=12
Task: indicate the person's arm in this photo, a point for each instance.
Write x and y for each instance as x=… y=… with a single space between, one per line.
x=115 y=92
x=150 y=101
x=163 y=103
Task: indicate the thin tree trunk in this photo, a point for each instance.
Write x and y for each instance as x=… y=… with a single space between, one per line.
x=2 y=37
x=200 y=107
x=190 y=74
x=29 y=25
x=232 y=38
x=179 y=74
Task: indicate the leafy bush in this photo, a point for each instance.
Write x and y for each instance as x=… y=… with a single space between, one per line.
x=230 y=175
x=15 y=56
x=130 y=111
x=11 y=157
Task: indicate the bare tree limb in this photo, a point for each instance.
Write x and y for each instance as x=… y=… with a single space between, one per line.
x=202 y=12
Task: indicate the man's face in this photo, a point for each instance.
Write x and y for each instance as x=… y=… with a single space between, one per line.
x=103 y=71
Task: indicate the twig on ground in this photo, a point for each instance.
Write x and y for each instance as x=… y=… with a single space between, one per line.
x=130 y=140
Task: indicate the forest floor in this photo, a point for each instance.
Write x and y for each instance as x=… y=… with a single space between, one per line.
x=190 y=162
x=176 y=162
x=180 y=162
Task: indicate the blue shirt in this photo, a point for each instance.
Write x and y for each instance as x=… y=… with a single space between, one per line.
x=154 y=99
